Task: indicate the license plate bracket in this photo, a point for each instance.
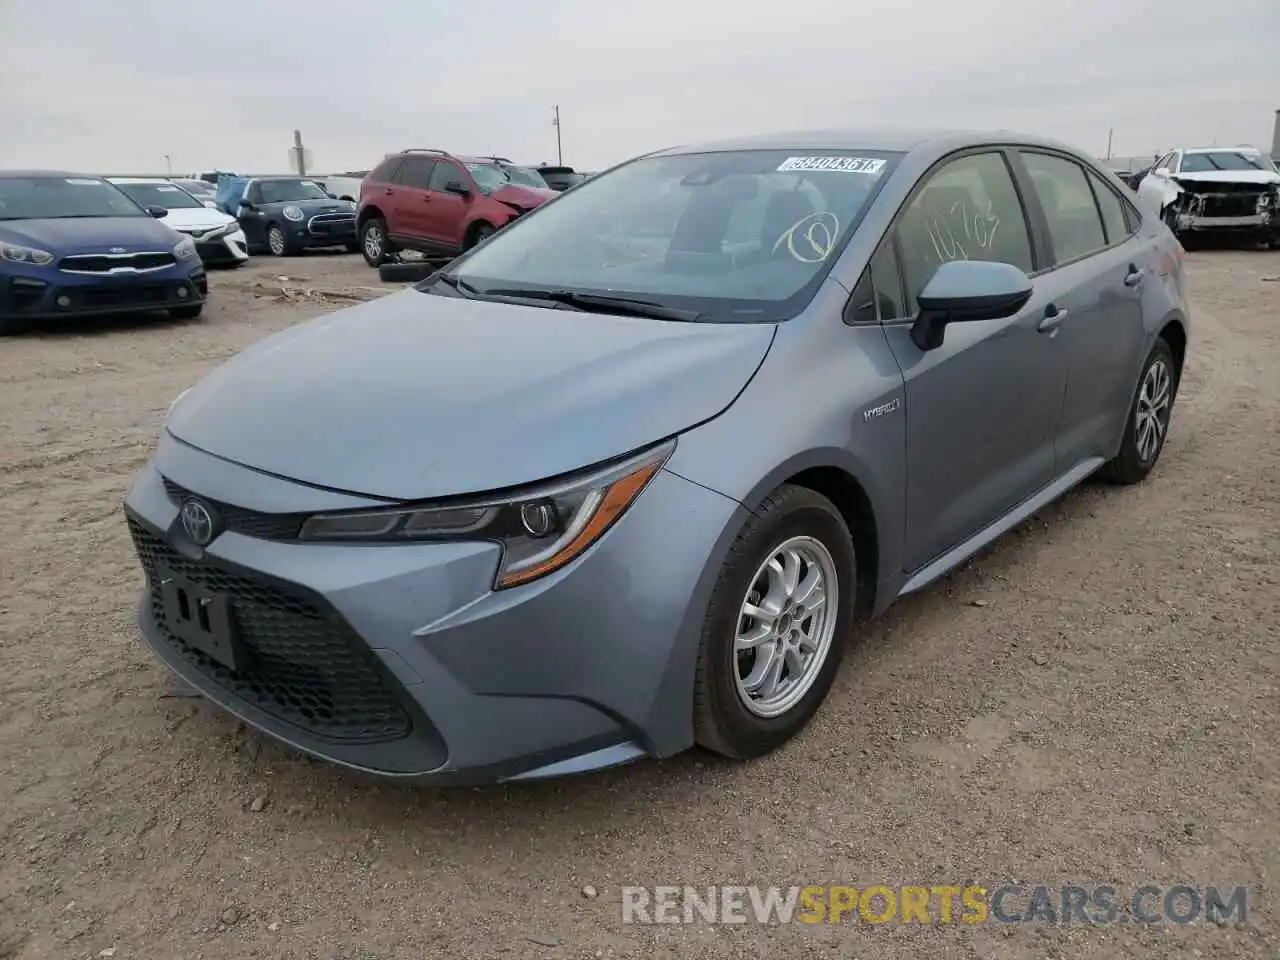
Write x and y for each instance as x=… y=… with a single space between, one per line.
x=202 y=620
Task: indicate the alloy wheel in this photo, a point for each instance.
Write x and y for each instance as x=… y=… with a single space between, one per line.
x=1151 y=418
x=275 y=240
x=786 y=625
x=373 y=243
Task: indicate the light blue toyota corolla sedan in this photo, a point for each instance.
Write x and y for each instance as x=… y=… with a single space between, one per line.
x=624 y=478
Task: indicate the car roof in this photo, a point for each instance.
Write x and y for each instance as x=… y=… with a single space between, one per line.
x=888 y=139
x=48 y=173
x=139 y=180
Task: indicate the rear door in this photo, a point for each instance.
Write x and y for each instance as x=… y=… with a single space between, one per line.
x=982 y=408
x=1100 y=265
x=408 y=217
x=447 y=212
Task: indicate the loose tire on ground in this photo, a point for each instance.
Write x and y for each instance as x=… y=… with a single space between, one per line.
x=723 y=721
x=406 y=272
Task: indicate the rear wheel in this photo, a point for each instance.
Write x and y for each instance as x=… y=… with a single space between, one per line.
x=776 y=626
x=1148 y=422
x=373 y=241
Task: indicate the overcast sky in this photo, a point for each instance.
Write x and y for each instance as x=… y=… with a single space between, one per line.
x=114 y=85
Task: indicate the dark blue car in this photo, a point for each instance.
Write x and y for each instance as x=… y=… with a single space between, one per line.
x=284 y=215
x=77 y=246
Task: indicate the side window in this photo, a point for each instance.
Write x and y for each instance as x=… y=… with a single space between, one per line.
x=414 y=173
x=1163 y=162
x=442 y=174
x=967 y=210
x=878 y=295
x=1114 y=217
x=1075 y=226
x=253 y=192
x=385 y=171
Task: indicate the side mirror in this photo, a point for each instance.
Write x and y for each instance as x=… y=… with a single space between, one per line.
x=243 y=209
x=158 y=212
x=458 y=187
x=244 y=205
x=963 y=291
x=210 y=204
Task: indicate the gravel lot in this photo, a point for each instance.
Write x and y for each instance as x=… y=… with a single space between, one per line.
x=1095 y=700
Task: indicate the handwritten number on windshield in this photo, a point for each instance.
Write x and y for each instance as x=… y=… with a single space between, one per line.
x=811 y=239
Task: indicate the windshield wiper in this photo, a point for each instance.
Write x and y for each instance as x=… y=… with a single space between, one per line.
x=456 y=283
x=599 y=303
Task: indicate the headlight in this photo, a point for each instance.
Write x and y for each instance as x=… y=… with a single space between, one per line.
x=16 y=254
x=541 y=529
x=185 y=249
x=293 y=213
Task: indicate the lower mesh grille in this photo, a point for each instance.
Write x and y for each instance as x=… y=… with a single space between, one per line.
x=306 y=667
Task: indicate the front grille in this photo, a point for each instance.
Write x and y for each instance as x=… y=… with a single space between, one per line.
x=304 y=667
x=1233 y=205
x=133 y=296
x=250 y=523
x=106 y=262
x=327 y=223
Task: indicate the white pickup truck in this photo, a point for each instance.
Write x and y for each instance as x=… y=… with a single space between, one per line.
x=345 y=186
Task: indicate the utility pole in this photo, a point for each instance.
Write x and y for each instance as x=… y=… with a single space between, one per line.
x=556 y=123
x=168 y=164
x=300 y=158
x=1110 y=131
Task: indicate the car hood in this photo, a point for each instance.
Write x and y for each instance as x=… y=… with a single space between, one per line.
x=312 y=207
x=1231 y=176
x=416 y=396
x=525 y=197
x=197 y=218
x=90 y=234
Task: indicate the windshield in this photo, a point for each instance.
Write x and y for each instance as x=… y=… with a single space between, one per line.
x=1223 y=160
x=160 y=195
x=197 y=187
x=493 y=176
x=39 y=198
x=284 y=191
x=745 y=235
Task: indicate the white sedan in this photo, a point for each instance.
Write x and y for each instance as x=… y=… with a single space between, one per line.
x=219 y=239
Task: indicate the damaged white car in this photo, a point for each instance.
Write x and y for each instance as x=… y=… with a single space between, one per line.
x=1218 y=189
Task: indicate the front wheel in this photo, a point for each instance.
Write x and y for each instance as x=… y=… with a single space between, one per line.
x=373 y=241
x=480 y=233
x=277 y=242
x=1147 y=425
x=776 y=626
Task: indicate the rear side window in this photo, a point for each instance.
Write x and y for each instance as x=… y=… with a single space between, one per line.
x=968 y=209
x=1075 y=225
x=414 y=173
x=1114 y=216
x=384 y=171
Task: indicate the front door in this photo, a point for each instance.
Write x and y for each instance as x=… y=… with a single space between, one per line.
x=981 y=409
x=447 y=211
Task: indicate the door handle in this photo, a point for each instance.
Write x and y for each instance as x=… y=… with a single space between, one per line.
x=1051 y=320
x=1134 y=276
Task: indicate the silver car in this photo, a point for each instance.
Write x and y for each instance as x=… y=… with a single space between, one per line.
x=625 y=477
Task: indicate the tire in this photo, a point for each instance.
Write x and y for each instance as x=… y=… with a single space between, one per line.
x=1137 y=457
x=278 y=241
x=479 y=233
x=373 y=241
x=806 y=524
x=410 y=272
x=187 y=313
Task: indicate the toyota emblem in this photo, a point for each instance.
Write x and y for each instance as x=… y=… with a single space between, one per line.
x=197 y=522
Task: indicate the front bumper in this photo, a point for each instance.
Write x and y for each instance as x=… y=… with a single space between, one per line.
x=227 y=250
x=323 y=230
x=401 y=661
x=53 y=295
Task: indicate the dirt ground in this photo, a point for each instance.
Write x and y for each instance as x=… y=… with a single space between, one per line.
x=1095 y=700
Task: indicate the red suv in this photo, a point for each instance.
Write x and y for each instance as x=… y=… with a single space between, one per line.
x=440 y=204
